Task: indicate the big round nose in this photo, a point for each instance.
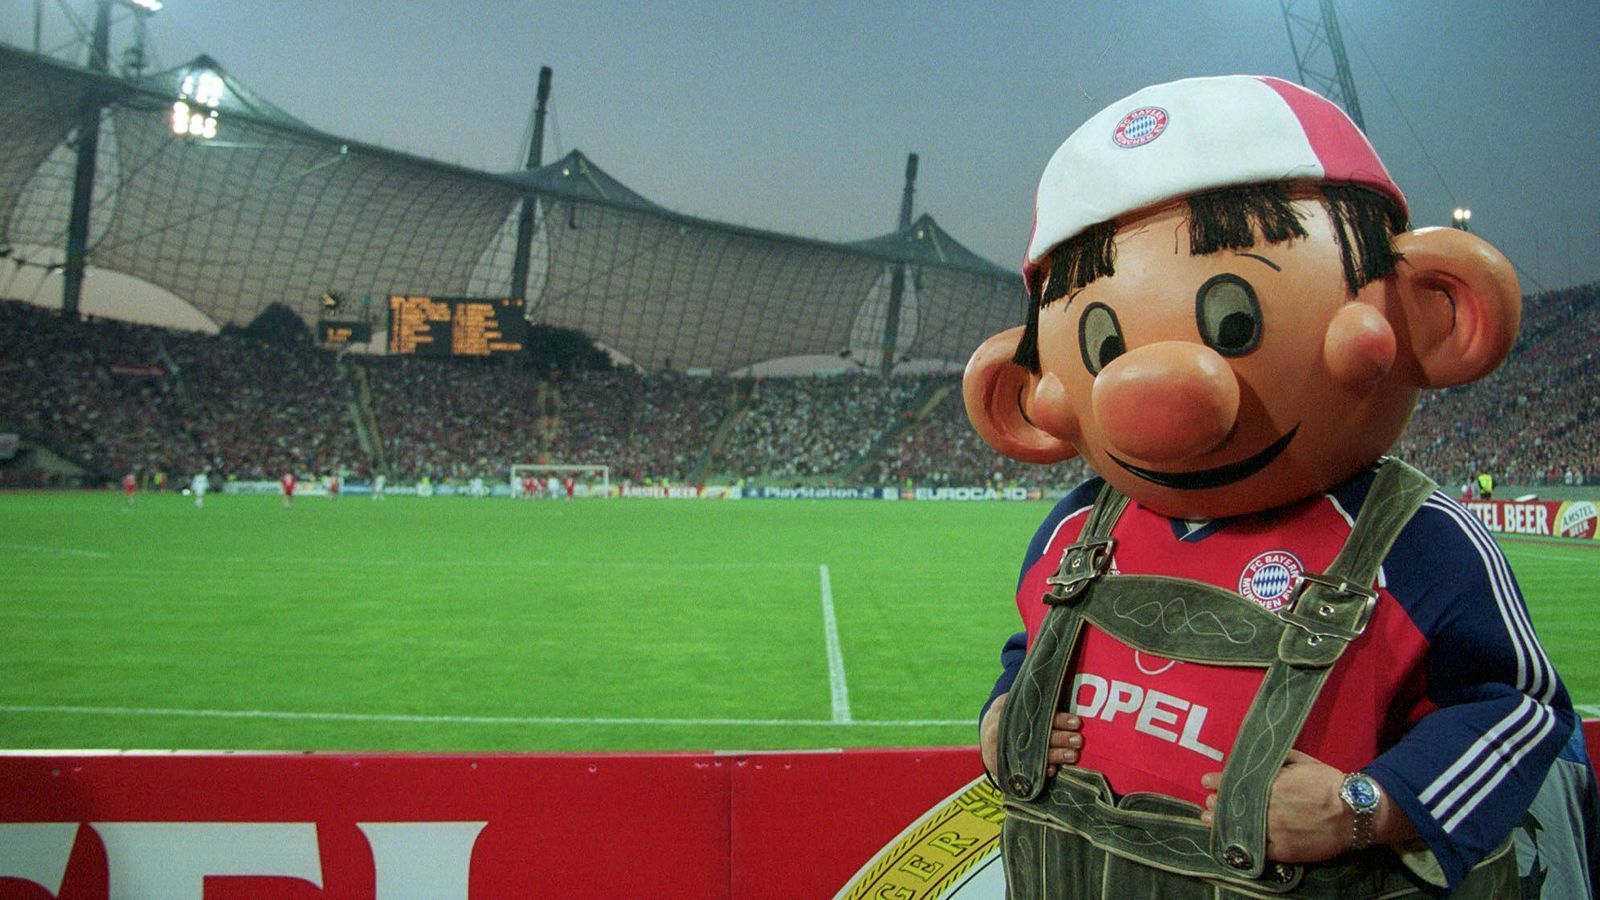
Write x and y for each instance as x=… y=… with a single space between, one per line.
x=1166 y=401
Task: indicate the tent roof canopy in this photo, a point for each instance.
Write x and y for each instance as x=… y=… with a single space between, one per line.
x=237 y=99
x=576 y=177
x=926 y=242
x=273 y=210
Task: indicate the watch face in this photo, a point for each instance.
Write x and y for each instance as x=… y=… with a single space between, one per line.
x=1361 y=792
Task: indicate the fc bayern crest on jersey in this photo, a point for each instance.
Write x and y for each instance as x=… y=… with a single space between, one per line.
x=1140 y=127
x=1269 y=579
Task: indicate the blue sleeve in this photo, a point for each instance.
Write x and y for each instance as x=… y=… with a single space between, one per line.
x=1467 y=771
x=1010 y=663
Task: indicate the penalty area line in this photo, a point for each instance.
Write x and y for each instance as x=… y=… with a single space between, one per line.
x=283 y=715
x=838 y=689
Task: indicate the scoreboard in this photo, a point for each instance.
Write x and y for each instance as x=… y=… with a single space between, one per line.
x=339 y=331
x=455 y=326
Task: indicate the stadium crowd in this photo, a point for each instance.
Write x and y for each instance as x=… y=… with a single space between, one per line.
x=815 y=426
x=1537 y=419
x=455 y=420
x=93 y=389
x=656 y=427
x=112 y=397
x=258 y=410
x=942 y=449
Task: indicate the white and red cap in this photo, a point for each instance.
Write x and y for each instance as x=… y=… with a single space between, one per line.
x=1171 y=140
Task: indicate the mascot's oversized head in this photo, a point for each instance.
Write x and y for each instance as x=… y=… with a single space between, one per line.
x=1228 y=313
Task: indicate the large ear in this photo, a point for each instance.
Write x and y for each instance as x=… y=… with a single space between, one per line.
x=998 y=393
x=1461 y=304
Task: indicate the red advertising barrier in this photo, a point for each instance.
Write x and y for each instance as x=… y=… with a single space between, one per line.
x=398 y=827
x=1545 y=518
x=402 y=827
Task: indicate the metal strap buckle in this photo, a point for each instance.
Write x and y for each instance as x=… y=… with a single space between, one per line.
x=1320 y=622
x=1081 y=564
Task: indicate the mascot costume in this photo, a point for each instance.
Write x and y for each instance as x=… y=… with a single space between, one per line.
x=1261 y=658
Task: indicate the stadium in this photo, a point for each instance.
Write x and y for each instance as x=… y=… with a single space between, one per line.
x=529 y=471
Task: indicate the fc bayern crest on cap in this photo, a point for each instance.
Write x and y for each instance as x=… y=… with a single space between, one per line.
x=1140 y=127
x=1269 y=579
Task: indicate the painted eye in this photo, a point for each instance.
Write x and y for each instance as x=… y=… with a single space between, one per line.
x=1228 y=315
x=1099 y=337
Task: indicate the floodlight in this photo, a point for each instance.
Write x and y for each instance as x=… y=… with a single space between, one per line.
x=144 y=6
x=194 y=114
x=1461 y=218
x=187 y=121
x=204 y=87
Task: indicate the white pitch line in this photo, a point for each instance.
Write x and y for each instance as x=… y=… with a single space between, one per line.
x=1557 y=557
x=303 y=563
x=466 y=720
x=64 y=551
x=1591 y=710
x=836 y=683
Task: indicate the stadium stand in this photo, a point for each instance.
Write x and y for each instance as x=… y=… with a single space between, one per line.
x=256 y=410
x=455 y=420
x=113 y=397
x=942 y=449
x=1537 y=419
x=815 y=426
x=297 y=214
x=95 y=392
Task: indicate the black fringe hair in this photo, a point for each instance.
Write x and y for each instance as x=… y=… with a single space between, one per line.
x=1364 y=221
x=1073 y=264
x=1229 y=218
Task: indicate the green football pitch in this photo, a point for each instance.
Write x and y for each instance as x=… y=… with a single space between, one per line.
x=456 y=624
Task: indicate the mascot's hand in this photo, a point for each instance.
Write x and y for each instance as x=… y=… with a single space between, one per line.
x=1065 y=741
x=1306 y=820
x=989 y=735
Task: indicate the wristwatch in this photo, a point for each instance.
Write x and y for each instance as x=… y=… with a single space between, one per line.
x=1361 y=793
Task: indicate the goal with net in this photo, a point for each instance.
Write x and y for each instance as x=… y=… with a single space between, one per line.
x=533 y=480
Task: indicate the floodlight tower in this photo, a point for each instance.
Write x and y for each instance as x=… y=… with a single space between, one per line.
x=1323 y=50
x=525 y=223
x=83 y=174
x=88 y=141
x=133 y=64
x=897 y=281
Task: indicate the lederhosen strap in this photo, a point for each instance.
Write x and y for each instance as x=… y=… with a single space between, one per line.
x=1187 y=620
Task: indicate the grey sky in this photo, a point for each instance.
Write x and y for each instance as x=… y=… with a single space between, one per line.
x=798 y=117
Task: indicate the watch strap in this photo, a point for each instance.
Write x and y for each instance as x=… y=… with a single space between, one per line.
x=1363 y=814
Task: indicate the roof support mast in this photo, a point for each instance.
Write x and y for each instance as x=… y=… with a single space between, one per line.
x=1320 y=33
x=88 y=141
x=897 y=281
x=525 y=223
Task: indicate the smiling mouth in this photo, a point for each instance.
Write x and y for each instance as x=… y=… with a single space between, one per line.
x=1210 y=478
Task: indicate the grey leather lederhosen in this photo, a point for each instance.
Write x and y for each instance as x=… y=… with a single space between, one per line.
x=1070 y=836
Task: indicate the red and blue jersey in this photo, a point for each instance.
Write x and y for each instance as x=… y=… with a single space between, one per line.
x=1447 y=699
